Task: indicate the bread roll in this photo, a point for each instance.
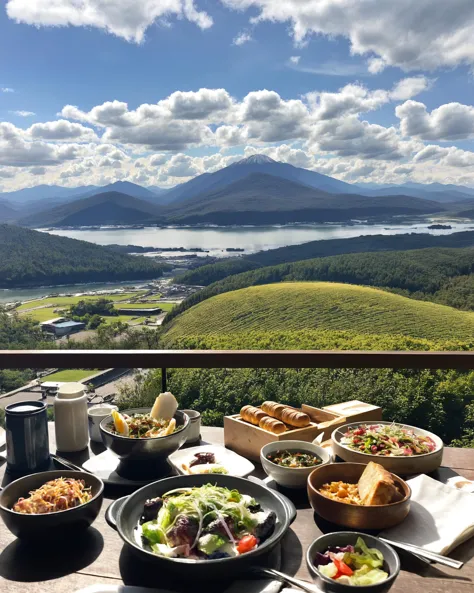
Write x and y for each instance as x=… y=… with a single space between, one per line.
x=376 y=486
x=252 y=414
x=272 y=425
x=286 y=414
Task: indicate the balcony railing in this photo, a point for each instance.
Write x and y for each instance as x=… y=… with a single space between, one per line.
x=233 y=359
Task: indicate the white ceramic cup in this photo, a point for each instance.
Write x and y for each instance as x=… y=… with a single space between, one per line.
x=194 y=433
x=95 y=415
x=70 y=418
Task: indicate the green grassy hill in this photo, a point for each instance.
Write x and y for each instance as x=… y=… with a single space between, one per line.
x=322 y=306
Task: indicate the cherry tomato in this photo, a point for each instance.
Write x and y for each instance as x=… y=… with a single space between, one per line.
x=343 y=568
x=247 y=543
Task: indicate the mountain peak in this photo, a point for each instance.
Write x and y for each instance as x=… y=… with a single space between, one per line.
x=255 y=159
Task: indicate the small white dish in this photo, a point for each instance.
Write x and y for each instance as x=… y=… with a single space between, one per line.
x=235 y=464
x=292 y=477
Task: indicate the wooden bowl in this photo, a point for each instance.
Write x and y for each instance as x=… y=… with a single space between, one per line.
x=402 y=466
x=349 y=515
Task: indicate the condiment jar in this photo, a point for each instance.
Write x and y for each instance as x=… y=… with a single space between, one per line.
x=26 y=426
x=70 y=418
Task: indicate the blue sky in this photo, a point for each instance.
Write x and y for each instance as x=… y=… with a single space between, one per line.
x=335 y=101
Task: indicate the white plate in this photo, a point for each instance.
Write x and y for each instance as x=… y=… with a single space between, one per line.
x=235 y=464
x=3 y=437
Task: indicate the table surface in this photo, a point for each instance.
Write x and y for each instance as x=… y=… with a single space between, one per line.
x=100 y=557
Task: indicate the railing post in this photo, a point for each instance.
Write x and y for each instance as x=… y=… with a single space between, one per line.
x=164 y=381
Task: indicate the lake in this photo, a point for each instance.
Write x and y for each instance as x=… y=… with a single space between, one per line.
x=216 y=240
x=251 y=239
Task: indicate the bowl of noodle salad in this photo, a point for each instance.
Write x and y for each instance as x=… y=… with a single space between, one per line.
x=399 y=448
x=51 y=504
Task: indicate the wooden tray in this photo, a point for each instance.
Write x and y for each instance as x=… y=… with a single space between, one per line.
x=247 y=439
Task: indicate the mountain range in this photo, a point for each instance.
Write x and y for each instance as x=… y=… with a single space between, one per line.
x=254 y=190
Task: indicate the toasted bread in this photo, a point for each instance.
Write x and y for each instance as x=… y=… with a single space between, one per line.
x=376 y=486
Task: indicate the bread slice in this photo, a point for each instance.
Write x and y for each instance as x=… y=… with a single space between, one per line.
x=376 y=486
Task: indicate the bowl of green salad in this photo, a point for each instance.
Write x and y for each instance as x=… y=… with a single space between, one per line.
x=341 y=561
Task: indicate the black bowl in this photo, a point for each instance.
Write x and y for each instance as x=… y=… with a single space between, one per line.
x=146 y=450
x=224 y=568
x=51 y=525
x=345 y=538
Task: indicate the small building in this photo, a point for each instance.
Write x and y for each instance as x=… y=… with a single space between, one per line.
x=139 y=312
x=60 y=327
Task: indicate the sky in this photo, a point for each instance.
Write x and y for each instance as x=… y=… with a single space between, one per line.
x=159 y=91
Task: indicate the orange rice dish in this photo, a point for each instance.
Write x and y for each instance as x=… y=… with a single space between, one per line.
x=342 y=492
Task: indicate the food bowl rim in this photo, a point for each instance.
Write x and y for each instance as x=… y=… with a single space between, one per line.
x=186 y=561
x=295 y=469
x=65 y=473
x=187 y=421
x=421 y=456
x=310 y=562
x=372 y=506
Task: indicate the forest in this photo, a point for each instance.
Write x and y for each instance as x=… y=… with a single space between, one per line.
x=210 y=273
x=32 y=258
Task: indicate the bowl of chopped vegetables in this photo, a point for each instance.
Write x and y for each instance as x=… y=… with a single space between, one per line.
x=346 y=559
x=51 y=504
x=399 y=448
x=203 y=527
x=135 y=436
x=289 y=463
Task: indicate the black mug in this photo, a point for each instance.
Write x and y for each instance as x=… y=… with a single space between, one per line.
x=27 y=437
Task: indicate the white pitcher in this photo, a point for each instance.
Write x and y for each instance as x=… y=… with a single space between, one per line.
x=70 y=418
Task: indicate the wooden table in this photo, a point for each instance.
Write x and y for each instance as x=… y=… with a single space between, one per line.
x=99 y=556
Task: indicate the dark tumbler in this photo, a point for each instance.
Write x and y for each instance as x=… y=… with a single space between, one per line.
x=27 y=437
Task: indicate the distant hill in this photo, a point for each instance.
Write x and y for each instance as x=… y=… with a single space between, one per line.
x=7 y=211
x=264 y=199
x=123 y=187
x=256 y=164
x=44 y=192
x=321 y=306
x=210 y=273
x=31 y=258
x=103 y=208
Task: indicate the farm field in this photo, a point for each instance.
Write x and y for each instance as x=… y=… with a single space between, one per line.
x=322 y=306
x=66 y=301
x=70 y=375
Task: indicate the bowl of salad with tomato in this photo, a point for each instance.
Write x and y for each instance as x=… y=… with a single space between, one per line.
x=346 y=559
x=399 y=448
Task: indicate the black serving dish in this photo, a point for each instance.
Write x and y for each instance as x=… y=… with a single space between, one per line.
x=128 y=516
x=345 y=538
x=144 y=452
x=51 y=525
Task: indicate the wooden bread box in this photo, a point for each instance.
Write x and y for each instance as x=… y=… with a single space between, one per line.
x=247 y=439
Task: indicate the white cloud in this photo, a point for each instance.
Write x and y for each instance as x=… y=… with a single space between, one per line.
x=17 y=149
x=128 y=19
x=197 y=105
x=410 y=87
x=427 y=34
x=295 y=59
x=452 y=121
x=351 y=99
x=180 y=165
x=242 y=38
x=158 y=159
x=21 y=113
x=62 y=130
x=7 y=89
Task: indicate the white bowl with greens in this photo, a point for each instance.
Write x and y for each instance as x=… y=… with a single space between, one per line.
x=289 y=463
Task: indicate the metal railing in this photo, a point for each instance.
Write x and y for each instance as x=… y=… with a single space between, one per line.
x=233 y=359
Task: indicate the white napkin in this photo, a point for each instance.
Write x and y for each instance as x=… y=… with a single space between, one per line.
x=440 y=519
